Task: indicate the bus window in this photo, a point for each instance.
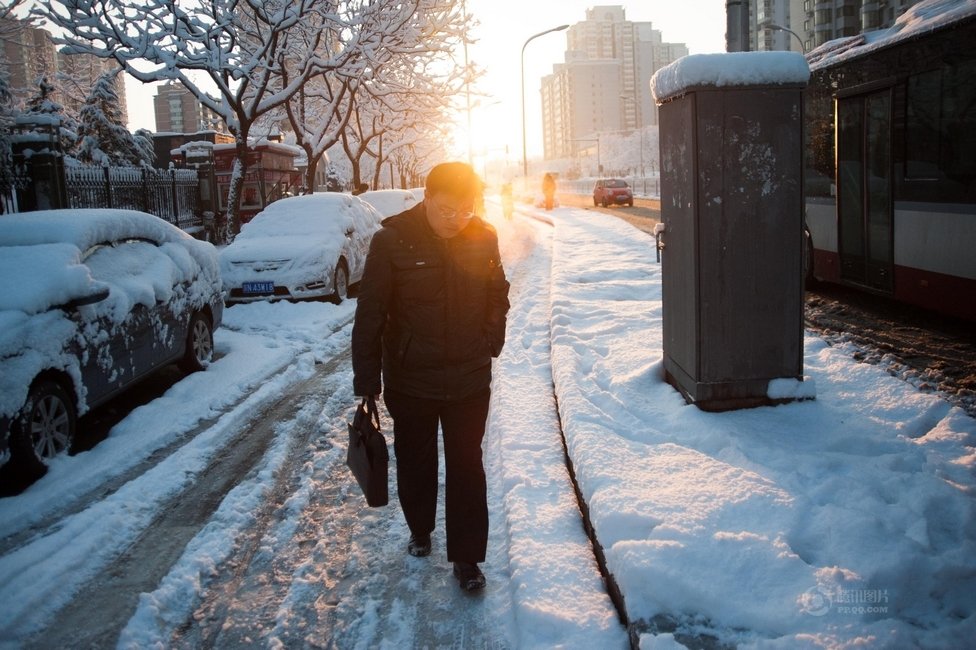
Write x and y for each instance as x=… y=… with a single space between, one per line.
x=941 y=124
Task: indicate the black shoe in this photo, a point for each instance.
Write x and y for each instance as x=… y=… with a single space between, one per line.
x=469 y=576
x=419 y=545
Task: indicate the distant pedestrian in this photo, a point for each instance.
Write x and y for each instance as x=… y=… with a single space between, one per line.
x=508 y=201
x=549 y=190
x=430 y=316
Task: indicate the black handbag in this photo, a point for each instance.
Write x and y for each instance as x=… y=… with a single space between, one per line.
x=367 y=456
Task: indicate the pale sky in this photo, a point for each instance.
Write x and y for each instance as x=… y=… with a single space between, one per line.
x=505 y=25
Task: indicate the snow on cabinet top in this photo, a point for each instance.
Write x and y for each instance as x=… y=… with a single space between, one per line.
x=729 y=69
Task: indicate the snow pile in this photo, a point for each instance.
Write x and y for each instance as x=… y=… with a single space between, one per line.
x=559 y=600
x=729 y=69
x=844 y=520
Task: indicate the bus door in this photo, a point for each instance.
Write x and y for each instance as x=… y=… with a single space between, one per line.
x=864 y=201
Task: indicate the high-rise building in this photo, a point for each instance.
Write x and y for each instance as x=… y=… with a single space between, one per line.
x=27 y=53
x=179 y=111
x=603 y=83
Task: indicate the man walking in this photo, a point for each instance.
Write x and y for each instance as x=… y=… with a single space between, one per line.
x=430 y=317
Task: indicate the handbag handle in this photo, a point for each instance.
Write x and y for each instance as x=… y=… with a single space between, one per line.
x=373 y=413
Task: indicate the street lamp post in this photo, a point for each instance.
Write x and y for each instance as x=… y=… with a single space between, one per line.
x=788 y=30
x=525 y=158
x=640 y=132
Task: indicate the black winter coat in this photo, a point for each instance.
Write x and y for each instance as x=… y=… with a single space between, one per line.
x=431 y=312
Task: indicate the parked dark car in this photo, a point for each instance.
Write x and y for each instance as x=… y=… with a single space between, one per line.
x=614 y=191
x=92 y=301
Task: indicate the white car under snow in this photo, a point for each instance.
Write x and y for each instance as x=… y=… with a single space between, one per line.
x=311 y=246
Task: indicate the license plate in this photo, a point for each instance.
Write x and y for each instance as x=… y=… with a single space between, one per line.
x=258 y=287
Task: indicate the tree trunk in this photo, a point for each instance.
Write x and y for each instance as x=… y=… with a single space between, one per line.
x=236 y=185
x=356 y=174
x=313 y=165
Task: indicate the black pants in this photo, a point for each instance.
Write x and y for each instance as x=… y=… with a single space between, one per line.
x=415 y=423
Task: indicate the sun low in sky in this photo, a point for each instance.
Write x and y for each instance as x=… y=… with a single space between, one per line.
x=504 y=26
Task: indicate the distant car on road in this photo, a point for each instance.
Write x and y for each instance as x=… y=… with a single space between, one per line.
x=390 y=202
x=609 y=191
x=303 y=247
x=92 y=301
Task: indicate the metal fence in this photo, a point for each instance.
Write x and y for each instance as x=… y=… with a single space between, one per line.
x=173 y=194
x=12 y=180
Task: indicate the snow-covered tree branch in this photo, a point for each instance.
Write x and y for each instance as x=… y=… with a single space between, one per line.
x=228 y=54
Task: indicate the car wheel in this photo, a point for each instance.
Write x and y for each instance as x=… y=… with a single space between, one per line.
x=605 y=203
x=630 y=203
x=595 y=202
x=45 y=427
x=199 y=344
x=340 y=283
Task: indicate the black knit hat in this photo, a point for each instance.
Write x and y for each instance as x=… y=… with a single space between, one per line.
x=457 y=179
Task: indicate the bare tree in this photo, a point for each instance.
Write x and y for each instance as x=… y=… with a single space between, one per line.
x=407 y=102
x=416 y=42
x=228 y=53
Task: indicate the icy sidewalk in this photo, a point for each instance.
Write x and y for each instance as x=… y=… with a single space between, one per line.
x=845 y=520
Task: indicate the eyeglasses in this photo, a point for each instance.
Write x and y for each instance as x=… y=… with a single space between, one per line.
x=463 y=215
x=454 y=213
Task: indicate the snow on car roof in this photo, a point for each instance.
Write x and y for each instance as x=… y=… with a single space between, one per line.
x=32 y=278
x=84 y=227
x=390 y=202
x=328 y=212
x=41 y=253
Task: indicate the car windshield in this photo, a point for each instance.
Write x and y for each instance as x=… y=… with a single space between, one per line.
x=615 y=183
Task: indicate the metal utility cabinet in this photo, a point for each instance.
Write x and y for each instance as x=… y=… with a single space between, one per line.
x=732 y=213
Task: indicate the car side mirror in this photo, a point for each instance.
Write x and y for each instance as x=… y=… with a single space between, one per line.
x=90 y=299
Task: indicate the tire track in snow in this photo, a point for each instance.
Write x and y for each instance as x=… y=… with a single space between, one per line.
x=94 y=617
x=326 y=571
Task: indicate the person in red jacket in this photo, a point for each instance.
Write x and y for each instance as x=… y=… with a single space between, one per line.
x=430 y=316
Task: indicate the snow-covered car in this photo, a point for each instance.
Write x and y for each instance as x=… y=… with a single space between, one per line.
x=390 y=202
x=91 y=301
x=311 y=246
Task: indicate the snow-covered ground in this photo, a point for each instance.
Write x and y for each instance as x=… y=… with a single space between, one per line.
x=843 y=521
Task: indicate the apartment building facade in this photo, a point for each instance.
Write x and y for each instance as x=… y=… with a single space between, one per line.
x=179 y=111
x=27 y=53
x=603 y=83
